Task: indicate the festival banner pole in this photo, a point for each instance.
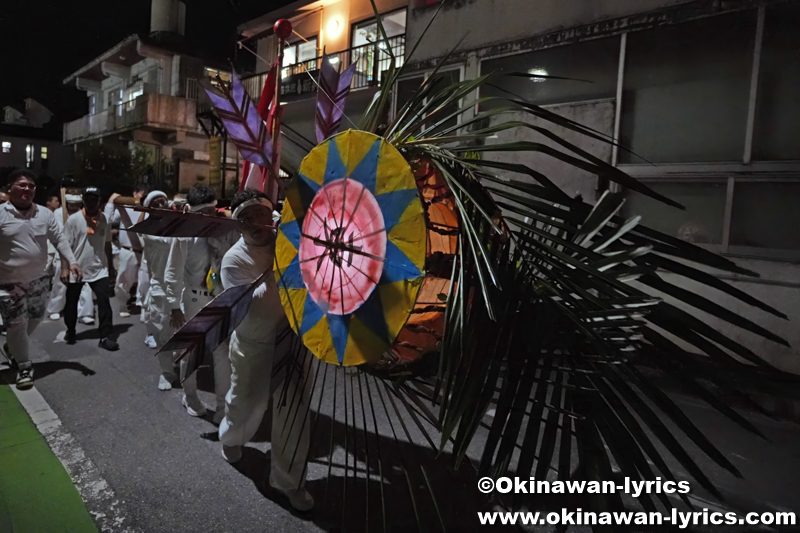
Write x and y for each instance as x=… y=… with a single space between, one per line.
x=283 y=30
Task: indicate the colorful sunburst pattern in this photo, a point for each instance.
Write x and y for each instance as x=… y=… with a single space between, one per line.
x=351 y=248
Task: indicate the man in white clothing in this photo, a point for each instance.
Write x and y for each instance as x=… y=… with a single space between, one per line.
x=190 y=260
x=58 y=296
x=89 y=235
x=156 y=309
x=252 y=351
x=25 y=229
x=130 y=254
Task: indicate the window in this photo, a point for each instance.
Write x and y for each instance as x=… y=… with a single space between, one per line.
x=367 y=32
x=686 y=90
x=367 y=43
x=407 y=88
x=777 y=127
x=765 y=215
x=702 y=221
x=29 y=151
x=93 y=104
x=44 y=152
x=6 y=147
x=213 y=74
x=299 y=56
x=591 y=65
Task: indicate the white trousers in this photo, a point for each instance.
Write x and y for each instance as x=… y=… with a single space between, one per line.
x=156 y=317
x=247 y=401
x=127 y=275
x=58 y=296
x=193 y=302
x=144 y=284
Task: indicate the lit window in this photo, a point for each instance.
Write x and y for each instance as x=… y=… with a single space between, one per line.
x=303 y=52
x=44 y=152
x=6 y=147
x=213 y=73
x=29 y=155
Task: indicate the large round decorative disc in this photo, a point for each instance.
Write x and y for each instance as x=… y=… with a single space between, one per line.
x=351 y=248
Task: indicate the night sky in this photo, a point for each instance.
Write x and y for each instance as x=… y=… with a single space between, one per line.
x=44 y=41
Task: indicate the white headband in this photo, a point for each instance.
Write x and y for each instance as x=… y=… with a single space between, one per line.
x=255 y=201
x=74 y=198
x=152 y=196
x=198 y=207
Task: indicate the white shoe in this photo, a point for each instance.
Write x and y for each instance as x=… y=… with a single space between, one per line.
x=124 y=314
x=194 y=406
x=87 y=320
x=232 y=454
x=300 y=499
x=150 y=341
x=55 y=316
x=163 y=383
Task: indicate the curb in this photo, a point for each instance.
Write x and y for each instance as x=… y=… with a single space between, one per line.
x=96 y=493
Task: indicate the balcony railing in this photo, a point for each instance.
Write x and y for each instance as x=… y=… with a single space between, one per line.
x=151 y=111
x=369 y=71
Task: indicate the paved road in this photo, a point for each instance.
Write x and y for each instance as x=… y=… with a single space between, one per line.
x=168 y=478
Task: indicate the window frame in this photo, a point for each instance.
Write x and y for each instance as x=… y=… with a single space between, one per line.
x=461 y=67
x=354 y=24
x=296 y=45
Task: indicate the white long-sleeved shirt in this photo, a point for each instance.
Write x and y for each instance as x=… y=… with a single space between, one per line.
x=23 y=242
x=189 y=261
x=127 y=217
x=187 y=267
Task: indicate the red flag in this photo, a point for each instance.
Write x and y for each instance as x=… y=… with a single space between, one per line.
x=267 y=94
x=265 y=111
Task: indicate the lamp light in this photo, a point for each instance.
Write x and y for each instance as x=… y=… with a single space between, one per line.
x=333 y=26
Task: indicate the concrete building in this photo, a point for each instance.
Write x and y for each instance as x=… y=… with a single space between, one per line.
x=703 y=93
x=29 y=139
x=345 y=30
x=146 y=91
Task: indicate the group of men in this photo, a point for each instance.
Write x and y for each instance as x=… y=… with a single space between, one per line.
x=172 y=279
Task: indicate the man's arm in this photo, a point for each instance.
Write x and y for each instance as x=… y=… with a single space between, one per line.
x=109 y=211
x=112 y=273
x=174 y=279
x=62 y=241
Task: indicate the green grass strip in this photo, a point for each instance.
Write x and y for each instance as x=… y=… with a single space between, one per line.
x=36 y=493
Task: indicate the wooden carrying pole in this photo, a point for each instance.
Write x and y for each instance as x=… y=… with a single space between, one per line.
x=64 y=209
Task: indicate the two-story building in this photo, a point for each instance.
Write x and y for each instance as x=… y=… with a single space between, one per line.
x=146 y=91
x=29 y=138
x=347 y=31
x=703 y=94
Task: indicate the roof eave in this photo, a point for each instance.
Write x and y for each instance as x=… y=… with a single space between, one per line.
x=259 y=24
x=99 y=59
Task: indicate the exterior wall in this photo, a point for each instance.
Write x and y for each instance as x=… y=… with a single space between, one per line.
x=597 y=115
x=778 y=286
x=59 y=157
x=499 y=21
